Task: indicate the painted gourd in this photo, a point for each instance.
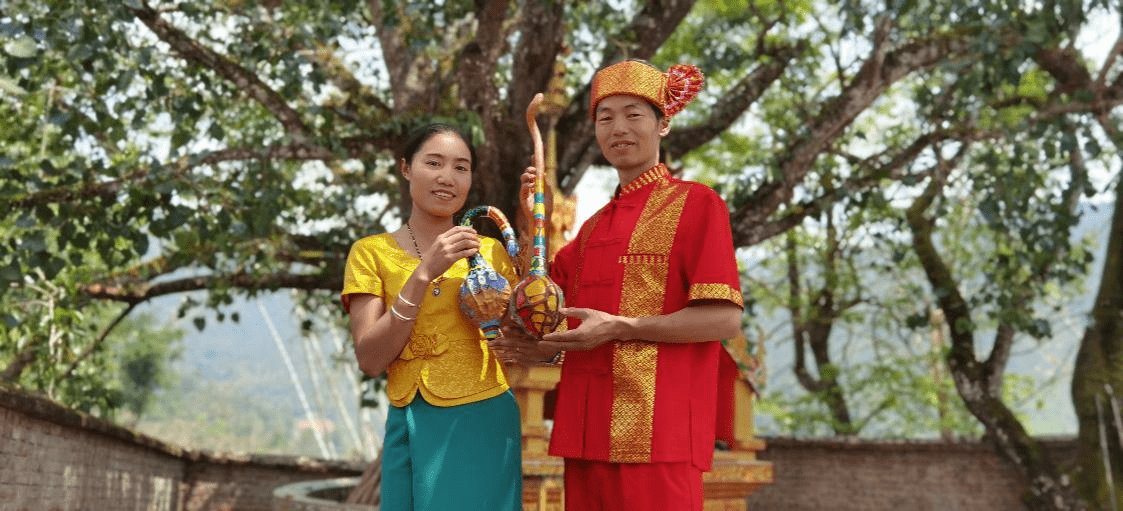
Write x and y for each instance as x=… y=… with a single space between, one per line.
x=536 y=299
x=485 y=294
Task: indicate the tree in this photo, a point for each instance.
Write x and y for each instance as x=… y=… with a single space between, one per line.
x=869 y=350
x=155 y=148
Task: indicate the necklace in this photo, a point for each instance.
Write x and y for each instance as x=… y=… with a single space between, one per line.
x=438 y=280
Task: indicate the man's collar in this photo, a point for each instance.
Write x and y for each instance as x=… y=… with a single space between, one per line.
x=656 y=173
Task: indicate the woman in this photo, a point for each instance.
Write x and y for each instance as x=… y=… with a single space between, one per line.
x=452 y=434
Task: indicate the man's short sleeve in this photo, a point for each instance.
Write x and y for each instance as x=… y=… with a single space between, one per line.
x=710 y=264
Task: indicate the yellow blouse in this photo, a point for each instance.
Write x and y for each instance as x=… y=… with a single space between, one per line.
x=446 y=358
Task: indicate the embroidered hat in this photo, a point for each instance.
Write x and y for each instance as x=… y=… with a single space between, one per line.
x=670 y=91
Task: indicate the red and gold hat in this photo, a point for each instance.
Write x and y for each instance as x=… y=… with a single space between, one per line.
x=670 y=91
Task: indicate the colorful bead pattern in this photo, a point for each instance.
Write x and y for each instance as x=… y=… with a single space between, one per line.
x=485 y=294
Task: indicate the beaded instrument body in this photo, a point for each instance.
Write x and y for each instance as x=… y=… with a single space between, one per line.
x=485 y=293
x=535 y=301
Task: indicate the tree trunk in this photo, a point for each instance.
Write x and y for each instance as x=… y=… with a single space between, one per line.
x=979 y=382
x=1097 y=383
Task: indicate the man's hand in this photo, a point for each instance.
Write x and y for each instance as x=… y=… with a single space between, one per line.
x=596 y=328
x=526 y=192
x=697 y=323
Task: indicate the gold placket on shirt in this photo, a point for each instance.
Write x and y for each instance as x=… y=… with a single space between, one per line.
x=634 y=362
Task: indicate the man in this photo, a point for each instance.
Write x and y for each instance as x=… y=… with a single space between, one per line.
x=651 y=286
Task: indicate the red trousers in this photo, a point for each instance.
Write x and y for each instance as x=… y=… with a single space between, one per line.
x=603 y=486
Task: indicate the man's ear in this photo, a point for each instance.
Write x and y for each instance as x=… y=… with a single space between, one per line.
x=664 y=126
x=404 y=168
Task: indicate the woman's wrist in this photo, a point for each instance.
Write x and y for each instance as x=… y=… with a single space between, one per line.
x=422 y=275
x=405 y=301
x=394 y=312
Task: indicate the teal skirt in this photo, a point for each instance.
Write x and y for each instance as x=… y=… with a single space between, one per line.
x=466 y=457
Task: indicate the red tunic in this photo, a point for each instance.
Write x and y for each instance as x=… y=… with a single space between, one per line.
x=660 y=244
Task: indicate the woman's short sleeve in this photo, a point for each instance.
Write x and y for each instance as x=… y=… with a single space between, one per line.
x=361 y=274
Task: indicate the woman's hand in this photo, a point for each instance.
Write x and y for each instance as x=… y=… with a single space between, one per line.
x=450 y=246
x=516 y=347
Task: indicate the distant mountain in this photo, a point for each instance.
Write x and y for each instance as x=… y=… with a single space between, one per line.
x=235 y=381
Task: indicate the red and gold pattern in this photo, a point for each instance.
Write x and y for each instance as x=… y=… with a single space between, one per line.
x=634 y=362
x=684 y=82
x=670 y=91
x=658 y=246
x=709 y=291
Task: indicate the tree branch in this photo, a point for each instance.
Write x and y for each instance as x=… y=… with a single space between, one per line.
x=880 y=70
x=980 y=393
x=539 y=43
x=958 y=314
x=194 y=52
x=889 y=165
x=358 y=98
x=354 y=147
x=795 y=309
x=97 y=342
x=1109 y=62
x=734 y=103
x=995 y=365
x=139 y=293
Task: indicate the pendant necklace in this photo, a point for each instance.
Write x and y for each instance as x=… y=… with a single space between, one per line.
x=438 y=280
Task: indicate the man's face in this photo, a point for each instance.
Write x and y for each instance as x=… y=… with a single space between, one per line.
x=628 y=133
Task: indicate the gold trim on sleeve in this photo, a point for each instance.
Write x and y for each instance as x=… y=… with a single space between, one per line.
x=716 y=291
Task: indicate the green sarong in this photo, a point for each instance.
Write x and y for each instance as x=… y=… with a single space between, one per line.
x=465 y=457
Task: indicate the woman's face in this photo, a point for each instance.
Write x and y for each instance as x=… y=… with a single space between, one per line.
x=439 y=175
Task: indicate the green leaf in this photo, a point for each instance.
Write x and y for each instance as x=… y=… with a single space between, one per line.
x=22 y=47
x=11 y=87
x=216 y=131
x=34 y=243
x=11 y=272
x=919 y=320
x=1092 y=147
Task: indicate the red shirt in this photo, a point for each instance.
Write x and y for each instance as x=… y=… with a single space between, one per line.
x=660 y=244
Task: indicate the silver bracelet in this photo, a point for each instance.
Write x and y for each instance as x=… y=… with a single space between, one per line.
x=558 y=358
x=407 y=302
x=399 y=315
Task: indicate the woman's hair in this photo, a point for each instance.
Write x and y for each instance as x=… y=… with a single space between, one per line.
x=421 y=135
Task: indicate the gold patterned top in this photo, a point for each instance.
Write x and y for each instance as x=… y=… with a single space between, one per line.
x=446 y=358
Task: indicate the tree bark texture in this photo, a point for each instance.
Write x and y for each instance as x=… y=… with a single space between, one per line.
x=1098 y=376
